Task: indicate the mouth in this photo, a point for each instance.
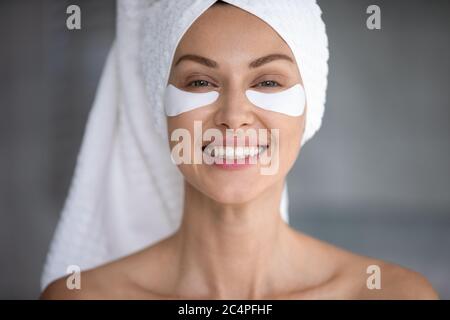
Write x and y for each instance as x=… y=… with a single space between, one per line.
x=233 y=152
x=236 y=152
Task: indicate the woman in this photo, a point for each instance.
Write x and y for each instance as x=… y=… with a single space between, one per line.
x=232 y=242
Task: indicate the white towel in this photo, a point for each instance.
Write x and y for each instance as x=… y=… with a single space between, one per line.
x=126 y=193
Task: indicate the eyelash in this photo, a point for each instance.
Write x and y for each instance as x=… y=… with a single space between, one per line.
x=192 y=82
x=258 y=85
x=266 y=81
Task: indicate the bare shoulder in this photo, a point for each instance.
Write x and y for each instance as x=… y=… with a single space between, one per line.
x=354 y=276
x=126 y=278
x=372 y=278
x=61 y=289
x=98 y=283
x=398 y=282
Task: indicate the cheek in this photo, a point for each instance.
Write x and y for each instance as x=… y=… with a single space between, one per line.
x=291 y=131
x=186 y=122
x=189 y=126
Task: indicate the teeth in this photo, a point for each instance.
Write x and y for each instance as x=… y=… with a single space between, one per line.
x=229 y=152
x=261 y=149
x=233 y=153
x=239 y=152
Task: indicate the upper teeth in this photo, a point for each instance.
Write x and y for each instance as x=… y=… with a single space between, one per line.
x=233 y=152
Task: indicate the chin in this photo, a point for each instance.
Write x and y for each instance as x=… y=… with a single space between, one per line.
x=234 y=192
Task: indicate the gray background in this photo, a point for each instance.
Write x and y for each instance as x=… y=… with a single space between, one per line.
x=374 y=180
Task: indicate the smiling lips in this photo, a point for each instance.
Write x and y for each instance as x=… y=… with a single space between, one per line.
x=232 y=156
x=234 y=153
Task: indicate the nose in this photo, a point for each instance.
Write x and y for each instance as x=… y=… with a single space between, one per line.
x=235 y=111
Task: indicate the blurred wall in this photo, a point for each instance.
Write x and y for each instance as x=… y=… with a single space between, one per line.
x=375 y=179
x=48 y=79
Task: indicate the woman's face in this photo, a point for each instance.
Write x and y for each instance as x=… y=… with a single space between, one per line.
x=230 y=51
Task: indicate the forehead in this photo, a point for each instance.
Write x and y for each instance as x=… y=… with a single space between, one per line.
x=227 y=32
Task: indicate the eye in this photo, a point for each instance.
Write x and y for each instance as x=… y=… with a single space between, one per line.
x=199 y=83
x=268 y=83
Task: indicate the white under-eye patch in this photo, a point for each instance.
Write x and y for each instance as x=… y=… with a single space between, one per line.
x=177 y=101
x=290 y=102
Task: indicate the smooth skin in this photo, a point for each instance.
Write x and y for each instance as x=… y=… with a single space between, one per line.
x=232 y=242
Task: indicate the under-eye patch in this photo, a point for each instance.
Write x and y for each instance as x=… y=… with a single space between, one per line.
x=177 y=101
x=290 y=102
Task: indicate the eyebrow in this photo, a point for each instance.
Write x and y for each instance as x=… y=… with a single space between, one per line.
x=254 y=64
x=199 y=59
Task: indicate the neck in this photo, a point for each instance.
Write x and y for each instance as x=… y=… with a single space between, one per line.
x=231 y=251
